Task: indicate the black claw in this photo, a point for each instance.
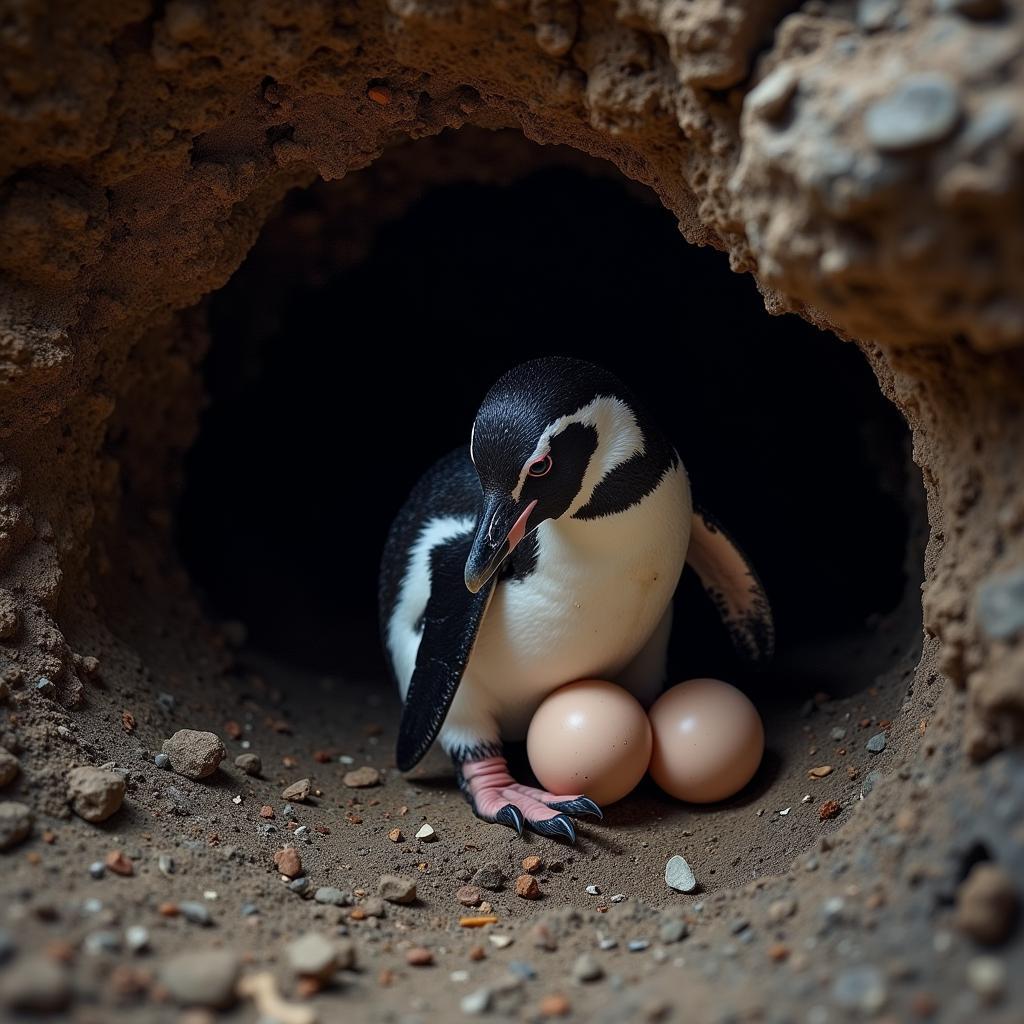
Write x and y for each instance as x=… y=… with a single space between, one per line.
x=581 y=805
x=556 y=828
x=511 y=816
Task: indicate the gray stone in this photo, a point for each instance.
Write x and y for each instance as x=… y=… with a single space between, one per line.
x=476 y=1003
x=781 y=909
x=875 y=14
x=15 y=824
x=521 y=969
x=586 y=968
x=876 y=744
x=490 y=876
x=35 y=984
x=8 y=947
x=679 y=875
x=205 y=978
x=923 y=109
x=1000 y=605
x=673 y=930
x=838 y=733
x=194 y=754
x=299 y=885
x=860 y=988
x=396 y=889
x=136 y=938
x=9 y=767
x=771 y=97
x=331 y=896
x=162 y=761
x=249 y=909
x=45 y=687
x=987 y=977
x=872 y=779
x=313 y=955
x=98 y=943
x=249 y=763
x=94 y=794
x=195 y=912
x=637 y=945
x=166 y=701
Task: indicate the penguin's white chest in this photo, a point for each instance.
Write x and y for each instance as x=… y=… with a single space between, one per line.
x=599 y=591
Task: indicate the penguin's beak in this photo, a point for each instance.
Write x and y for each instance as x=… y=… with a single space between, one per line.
x=503 y=525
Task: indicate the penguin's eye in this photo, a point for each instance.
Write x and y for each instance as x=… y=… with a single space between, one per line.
x=541 y=467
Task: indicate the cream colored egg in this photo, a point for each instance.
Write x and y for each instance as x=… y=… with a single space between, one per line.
x=590 y=737
x=708 y=741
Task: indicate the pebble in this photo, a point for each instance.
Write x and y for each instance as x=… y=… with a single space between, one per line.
x=476 y=1003
x=586 y=968
x=119 y=863
x=313 y=955
x=872 y=779
x=781 y=909
x=136 y=938
x=419 y=956
x=873 y=15
x=489 y=876
x=165 y=862
x=194 y=754
x=532 y=864
x=838 y=733
x=331 y=896
x=250 y=764
x=95 y=795
x=637 y=945
x=469 y=895
x=162 y=761
x=1000 y=605
x=987 y=904
x=679 y=875
x=15 y=824
x=425 y=833
x=297 y=791
x=45 y=687
x=555 y=1005
x=298 y=885
x=821 y=771
x=521 y=969
x=526 y=887
x=288 y=862
x=195 y=912
x=9 y=767
x=593 y=890
x=987 y=977
x=771 y=97
x=607 y=942
x=97 y=869
x=619 y=897
x=202 y=978
x=860 y=988
x=500 y=940
x=35 y=984
x=98 y=943
x=876 y=744
x=828 y=810
x=397 y=889
x=362 y=778
x=8 y=947
x=923 y=109
x=395 y=835
x=672 y=931
x=981 y=10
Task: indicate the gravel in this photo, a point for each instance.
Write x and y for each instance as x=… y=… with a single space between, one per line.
x=397 y=889
x=489 y=876
x=672 y=931
x=250 y=764
x=196 y=912
x=313 y=955
x=679 y=875
x=162 y=761
x=204 y=978
x=297 y=791
x=860 y=988
x=331 y=896
x=94 y=794
x=876 y=744
x=15 y=824
x=476 y=1003
x=362 y=778
x=586 y=968
x=194 y=754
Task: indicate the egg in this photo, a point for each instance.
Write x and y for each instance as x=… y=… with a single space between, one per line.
x=708 y=741
x=590 y=737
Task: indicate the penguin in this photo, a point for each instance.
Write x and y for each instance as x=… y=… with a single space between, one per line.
x=547 y=550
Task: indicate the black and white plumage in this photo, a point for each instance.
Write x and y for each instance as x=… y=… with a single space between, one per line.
x=546 y=551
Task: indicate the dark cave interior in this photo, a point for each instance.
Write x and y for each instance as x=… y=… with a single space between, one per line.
x=373 y=371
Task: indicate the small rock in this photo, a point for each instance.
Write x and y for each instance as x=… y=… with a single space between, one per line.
x=673 y=930
x=469 y=895
x=771 y=97
x=637 y=945
x=288 y=862
x=838 y=733
x=425 y=833
x=500 y=940
x=331 y=896
x=9 y=767
x=593 y=890
x=195 y=912
x=94 y=794
x=97 y=869
x=162 y=761
x=98 y=943
x=194 y=754
x=586 y=968
x=619 y=897
x=298 y=885
x=297 y=791
x=476 y=1003
x=532 y=864
x=136 y=938
x=204 y=978
x=923 y=109
x=526 y=887
x=15 y=824
x=781 y=909
x=987 y=904
x=1000 y=605
x=45 y=688
x=872 y=779
x=860 y=988
x=489 y=876
x=395 y=835
x=35 y=984
x=876 y=744
x=555 y=1005
x=396 y=889
x=419 y=956
x=313 y=955
x=679 y=875
x=362 y=778
x=521 y=969
x=987 y=977
x=829 y=809
x=165 y=863
x=250 y=764
x=821 y=771
x=873 y=15
x=118 y=862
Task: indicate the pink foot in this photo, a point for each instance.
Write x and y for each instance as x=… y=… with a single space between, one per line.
x=496 y=796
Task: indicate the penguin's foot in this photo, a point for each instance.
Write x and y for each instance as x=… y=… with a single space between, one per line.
x=495 y=796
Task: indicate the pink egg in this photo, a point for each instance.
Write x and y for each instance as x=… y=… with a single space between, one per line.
x=590 y=737
x=708 y=741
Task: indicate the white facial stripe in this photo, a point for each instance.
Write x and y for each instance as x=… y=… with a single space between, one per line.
x=619 y=438
x=472 y=434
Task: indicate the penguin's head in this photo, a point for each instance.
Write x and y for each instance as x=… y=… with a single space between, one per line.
x=548 y=432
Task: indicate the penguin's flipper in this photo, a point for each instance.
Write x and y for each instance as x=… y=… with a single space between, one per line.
x=450 y=624
x=731 y=583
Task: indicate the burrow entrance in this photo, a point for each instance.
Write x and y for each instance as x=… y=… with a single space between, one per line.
x=328 y=343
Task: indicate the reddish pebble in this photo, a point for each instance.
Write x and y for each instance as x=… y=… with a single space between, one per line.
x=266 y=811
x=555 y=1005
x=778 y=952
x=322 y=756
x=527 y=887
x=379 y=94
x=477 y=953
x=386 y=978
x=469 y=896
x=117 y=862
x=532 y=864
x=233 y=730
x=288 y=862
x=168 y=909
x=395 y=835
x=829 y=809
x=419 y=956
